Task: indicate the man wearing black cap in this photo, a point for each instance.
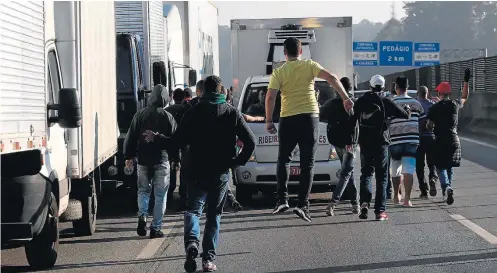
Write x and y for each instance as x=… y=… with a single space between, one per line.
x=211 y=129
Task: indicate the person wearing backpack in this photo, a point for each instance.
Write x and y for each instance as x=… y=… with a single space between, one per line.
x=372 y=112
x=342 y=132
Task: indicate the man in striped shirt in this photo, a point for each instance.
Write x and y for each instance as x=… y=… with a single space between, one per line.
x=404 y=136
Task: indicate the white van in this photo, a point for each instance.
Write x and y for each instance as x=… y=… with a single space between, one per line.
x=259 y=174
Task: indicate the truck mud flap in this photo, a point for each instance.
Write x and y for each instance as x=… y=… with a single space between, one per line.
x=25 y=199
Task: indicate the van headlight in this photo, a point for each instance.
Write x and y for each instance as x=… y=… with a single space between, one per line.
x=333 y=154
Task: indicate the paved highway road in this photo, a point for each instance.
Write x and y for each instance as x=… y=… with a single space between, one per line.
x=430 y=237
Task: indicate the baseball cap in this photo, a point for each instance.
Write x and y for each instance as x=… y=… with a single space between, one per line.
x=443 y=87
x=377 y=82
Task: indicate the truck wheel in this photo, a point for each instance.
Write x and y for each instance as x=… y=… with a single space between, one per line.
x=41 y=251
x=73 y=212
x=87 y=224
x=243 y=194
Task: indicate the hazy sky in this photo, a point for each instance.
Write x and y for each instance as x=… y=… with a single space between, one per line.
x=376 y=11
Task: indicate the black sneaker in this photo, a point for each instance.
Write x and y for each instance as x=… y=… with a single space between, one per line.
x=364 y=211
x=433 y=188
x=191 y=255
x=142 y=226
x=156 y=234
x=423 y=195
x=303 y=212
x=281 y=207
x=450 y=196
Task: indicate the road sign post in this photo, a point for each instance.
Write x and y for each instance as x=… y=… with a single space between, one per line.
x=396 y=53
x=365 y=53
x=426 y=54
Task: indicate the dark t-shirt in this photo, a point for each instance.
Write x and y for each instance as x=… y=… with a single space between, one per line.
x=392 y=110
x=256 y=110
x=444 y=114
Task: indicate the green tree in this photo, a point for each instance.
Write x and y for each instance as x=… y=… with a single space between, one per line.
x=450 y=23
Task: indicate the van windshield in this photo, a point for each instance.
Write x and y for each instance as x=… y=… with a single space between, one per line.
x=124 y=74
x=253 y=103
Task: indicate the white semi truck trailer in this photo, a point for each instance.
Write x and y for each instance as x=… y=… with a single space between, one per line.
x=57 y=119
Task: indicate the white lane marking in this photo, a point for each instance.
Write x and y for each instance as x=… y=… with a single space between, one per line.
x=478 y=142
x=153 y=246
x=475 y=228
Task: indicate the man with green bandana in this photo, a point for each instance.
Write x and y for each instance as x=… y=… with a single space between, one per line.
x=210 y=129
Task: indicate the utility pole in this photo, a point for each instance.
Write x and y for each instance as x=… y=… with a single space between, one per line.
x=393 y=13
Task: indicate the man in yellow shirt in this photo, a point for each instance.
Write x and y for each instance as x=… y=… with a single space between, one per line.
x=299 y=120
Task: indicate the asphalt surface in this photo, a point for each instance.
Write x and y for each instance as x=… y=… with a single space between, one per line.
x=425 y=238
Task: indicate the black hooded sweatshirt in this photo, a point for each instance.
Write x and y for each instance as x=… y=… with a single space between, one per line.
x=211 y=130
x=154 y=118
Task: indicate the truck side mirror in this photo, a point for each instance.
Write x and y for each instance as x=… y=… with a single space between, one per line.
x=68 y=109
x=192 y=77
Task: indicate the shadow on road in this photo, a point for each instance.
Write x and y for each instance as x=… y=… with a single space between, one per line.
x=399 y=264
x=11 y=269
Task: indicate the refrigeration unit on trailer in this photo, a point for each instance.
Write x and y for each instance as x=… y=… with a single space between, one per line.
x=257 y=49
x=54 y=126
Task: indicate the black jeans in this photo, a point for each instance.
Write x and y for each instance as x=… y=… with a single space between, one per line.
x=374 y=160
x=426 y=150
x=303 y=130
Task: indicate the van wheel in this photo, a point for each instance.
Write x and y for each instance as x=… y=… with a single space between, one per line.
x=243 y=194
x=87 y=224
x=41 y=252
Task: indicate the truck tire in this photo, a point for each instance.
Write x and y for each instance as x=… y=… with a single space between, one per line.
x=41 y=251
x=87 y=224
x=73 y=212
x=243 y=194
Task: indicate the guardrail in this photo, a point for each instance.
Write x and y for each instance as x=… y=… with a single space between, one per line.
x=484 y=72
x=479 y=115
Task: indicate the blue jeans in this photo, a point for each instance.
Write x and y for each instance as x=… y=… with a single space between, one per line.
x=374 y=160
x=346 y=179
x=158 y=176
x=446 y=176
x=212 y=191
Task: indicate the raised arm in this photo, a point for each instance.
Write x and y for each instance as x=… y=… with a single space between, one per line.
x=465 y=88
x=334 y=81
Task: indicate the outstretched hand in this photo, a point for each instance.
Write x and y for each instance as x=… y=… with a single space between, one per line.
x=467 y=75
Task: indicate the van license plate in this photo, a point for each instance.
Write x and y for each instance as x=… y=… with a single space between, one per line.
x=294 y=170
